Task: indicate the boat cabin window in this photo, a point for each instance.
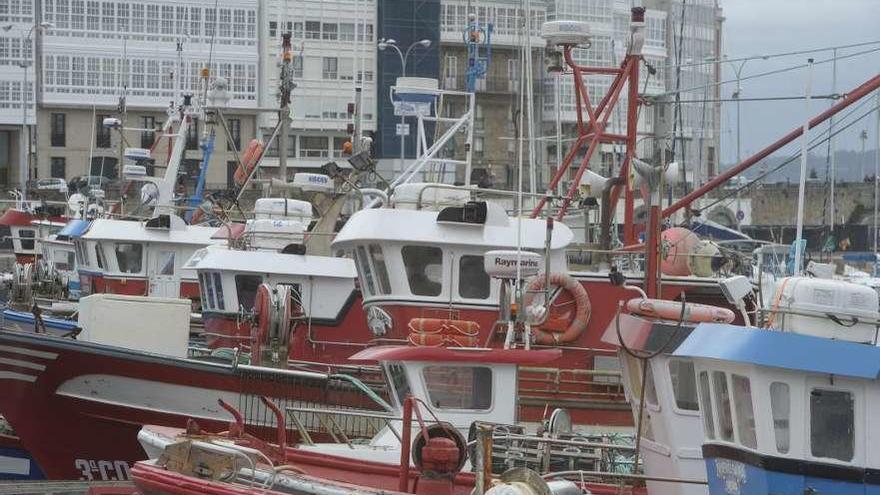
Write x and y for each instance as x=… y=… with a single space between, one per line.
x=80 y=257
x=166 y=263
x=473 y=282
x=212 y=291
x=246 y=289
x=218 y=291
x=832 y=424
x=706 y=399
x=378 y=260
x=745 y=411
x=684 y=384
x=63 y=260
x=459 y=387
x=722 y=401
x=129 y=257
x=651 y=390
x=424 y=269
x=397 y=379
x=99 y=255
x=780 y=407
x=363 y=264
x=27 y=239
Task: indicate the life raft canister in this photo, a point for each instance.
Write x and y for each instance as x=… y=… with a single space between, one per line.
x=436 y=332
x=560 y=329
x=251 y=156
x=671 y=310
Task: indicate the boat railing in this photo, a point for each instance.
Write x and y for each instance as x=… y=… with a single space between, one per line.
x=512 y=448
x=348 y=426
x=584 y=386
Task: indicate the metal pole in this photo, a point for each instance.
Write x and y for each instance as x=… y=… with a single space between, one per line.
x=831 y=140
x=876 y=173
x=558 y=83
x=803 y=179
x=402 y=116
x=24 y=142
x=406 y=433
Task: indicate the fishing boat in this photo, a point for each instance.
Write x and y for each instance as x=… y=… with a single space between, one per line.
x=788 y=412
x=441 y=399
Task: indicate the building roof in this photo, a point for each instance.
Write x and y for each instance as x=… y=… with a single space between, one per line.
x=222 y=259
x=457 y=355
x=785 y=350
x=127 y=230
x=421 y=226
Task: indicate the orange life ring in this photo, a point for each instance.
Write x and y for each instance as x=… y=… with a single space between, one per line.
x=436 y=332
x=251 y=156
x=671 y=310
x=561 y=329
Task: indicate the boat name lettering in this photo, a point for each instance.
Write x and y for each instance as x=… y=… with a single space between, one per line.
x=94 y=470
x=732 y=473
x=523 y=262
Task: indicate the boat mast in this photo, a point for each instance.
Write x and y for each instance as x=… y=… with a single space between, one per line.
x=284 y=112
x=802 y=184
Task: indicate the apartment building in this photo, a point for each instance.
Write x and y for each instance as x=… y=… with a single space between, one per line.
x=16 y=66
x=334 y=45
x=93 y=53
x=496 y=151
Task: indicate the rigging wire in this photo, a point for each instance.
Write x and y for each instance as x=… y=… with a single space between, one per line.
x=772 y=55
x=813 y=144
x=769 y=73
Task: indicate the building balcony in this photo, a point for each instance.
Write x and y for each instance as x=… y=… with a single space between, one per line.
x=498 y=85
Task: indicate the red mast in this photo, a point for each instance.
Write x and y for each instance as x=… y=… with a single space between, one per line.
x=592 y=132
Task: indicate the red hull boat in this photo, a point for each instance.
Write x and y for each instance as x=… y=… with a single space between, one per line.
x=78 y=407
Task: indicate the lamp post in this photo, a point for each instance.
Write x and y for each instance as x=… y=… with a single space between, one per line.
x=25 y=63
x=391 y=43
x=737 y=69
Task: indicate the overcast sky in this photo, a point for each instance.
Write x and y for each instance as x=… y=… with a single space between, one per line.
x=757 y=27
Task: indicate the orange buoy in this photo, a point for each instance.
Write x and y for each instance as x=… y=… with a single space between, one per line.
x=436 y=332
x=671 y=310
x=678 y=244
x=561 y=329
x=252 y=154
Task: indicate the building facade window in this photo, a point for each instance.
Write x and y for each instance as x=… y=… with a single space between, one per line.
x=313 y=147
x=235 y=135
x=102 y=134
x=192 y=135
x=330 y=68
x=58 y=135
x=59 y=167
x=147 y=137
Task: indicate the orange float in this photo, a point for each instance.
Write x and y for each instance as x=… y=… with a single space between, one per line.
x=671 y=310
x=252 y=154
x=561 y=329
x=678 y=244
x=436 y=332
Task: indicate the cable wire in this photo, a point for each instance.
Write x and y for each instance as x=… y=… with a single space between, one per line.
x=792 y=158
x=769 y=73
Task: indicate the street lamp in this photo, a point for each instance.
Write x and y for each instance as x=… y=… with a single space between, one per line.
x=404 y=56
x=24 y=63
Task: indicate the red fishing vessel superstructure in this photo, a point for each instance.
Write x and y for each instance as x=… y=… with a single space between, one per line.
x=28 y=222
x=142 y=258
x=440 y=401
x=107 y=392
